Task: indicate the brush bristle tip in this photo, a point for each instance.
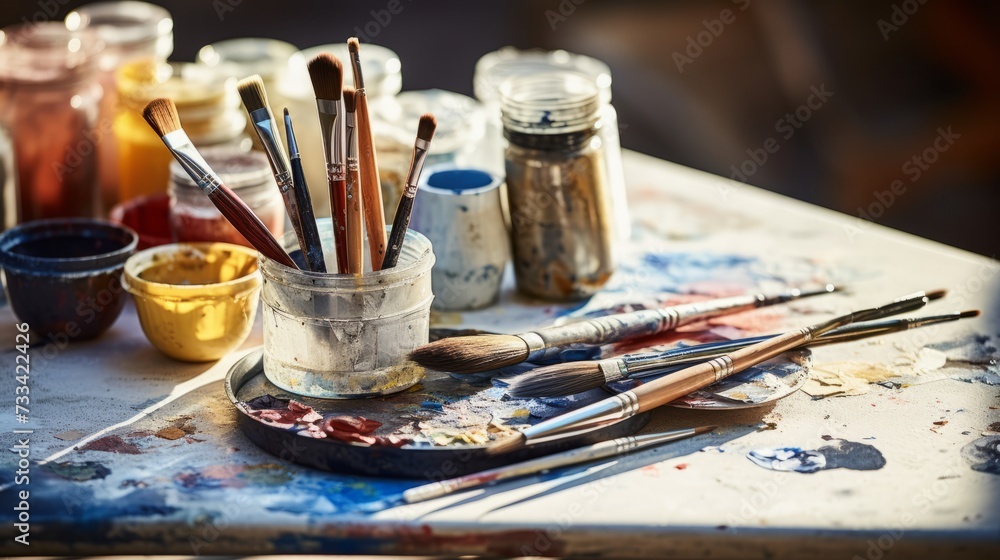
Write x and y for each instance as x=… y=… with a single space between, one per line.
x=251 y=90
x=426 y=127
x=353 y=45
x=161 y=114
x=327 y=75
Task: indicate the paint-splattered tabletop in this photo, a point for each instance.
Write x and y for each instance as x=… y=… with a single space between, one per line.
x=890 y=445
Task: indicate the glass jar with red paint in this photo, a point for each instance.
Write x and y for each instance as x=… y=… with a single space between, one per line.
x=49 y=99
x=193 y=217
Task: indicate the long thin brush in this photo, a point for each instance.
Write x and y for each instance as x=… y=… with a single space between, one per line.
x=161 y=114
x=327 y=75
x=585 y=454
x=663 y=390
x=575 y=377
x=354 y=207
x=310 y=230
x=371 y=185
x=473 y=354
x=572 y=378
x=401 y=221
x=255 y=100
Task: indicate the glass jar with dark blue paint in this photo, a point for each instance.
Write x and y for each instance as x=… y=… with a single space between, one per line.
x=558 y=189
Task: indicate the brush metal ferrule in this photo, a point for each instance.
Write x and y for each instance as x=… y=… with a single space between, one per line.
x=330 y=124
x=536 y=345
x=359 y=78
x=191 y=161
x=620 y=406
x=613 y=369
x=351 y=133
x=420 y=149
x=722 y=367
x=270 y=140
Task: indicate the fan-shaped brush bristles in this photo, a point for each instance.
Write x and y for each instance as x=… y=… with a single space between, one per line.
x=471 y=354
x=353 y=45
x=161 y=114
x=350 y=99
x=426 y=127
x=327 y=75
x=557 y=380
x=252 y=93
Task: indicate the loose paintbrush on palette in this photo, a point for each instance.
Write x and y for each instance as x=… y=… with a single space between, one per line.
x=573 y=377
x=473 y=354
x=659 y=392
x=594 y=452
x=161 y=114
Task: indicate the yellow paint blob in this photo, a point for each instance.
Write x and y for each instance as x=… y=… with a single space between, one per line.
x=196 y=301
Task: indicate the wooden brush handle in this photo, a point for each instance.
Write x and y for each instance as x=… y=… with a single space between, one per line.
x=675 y=385
x=400 y=223
x=248 y=224
x=354 y=215
x=371 y=185
x=338 y=213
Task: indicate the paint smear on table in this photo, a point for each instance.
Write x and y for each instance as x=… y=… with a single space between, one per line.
x=112 y=444
x=841 y=454
x=844 y=379
x=983 y=454
x=78 y=471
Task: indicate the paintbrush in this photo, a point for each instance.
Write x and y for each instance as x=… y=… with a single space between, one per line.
x=663 y=390
x=317 y=263
x=327 y=76
x=161 y=114
x=354 y=243
x=371 y=185
x=585 y=454
x=563 y=381
x=255 y=100
x=401 y=221
x=575 y=377
x=473 y=354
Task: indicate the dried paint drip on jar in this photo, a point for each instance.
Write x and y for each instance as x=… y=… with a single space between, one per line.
x=558 y=185
x=193 y=217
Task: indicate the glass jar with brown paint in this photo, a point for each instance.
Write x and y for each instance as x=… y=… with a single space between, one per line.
x=49 y=98
x=558 y=188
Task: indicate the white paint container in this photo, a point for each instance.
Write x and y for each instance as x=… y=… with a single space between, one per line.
x=341 y=336
x=459 y=210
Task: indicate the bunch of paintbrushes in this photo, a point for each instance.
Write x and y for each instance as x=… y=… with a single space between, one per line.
x=351 y=163
x=660 y=391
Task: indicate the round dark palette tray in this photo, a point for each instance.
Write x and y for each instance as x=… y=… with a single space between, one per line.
x=440 y=403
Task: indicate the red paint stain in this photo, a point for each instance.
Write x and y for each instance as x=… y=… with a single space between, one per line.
x=681 y=466
x=112 y=444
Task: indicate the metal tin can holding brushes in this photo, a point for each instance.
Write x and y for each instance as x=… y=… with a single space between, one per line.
x=558 y=188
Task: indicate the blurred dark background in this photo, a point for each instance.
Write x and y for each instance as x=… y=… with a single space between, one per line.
x=900 y=71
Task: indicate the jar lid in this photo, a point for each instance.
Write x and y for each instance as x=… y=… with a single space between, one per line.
x=200 y=92
x=237 y=169
x=494 y=68
x=268 y=58
x=461 y=120
x=381 y=67
x=126 y=24
x=47 y=52
x=555 y=103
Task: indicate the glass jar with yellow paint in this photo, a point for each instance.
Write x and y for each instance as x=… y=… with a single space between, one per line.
x=209 y=111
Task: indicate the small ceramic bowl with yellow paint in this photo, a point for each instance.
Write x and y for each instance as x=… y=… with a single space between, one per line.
x=196 y=301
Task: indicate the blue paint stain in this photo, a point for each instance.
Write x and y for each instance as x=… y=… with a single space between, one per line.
x=431 y=405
